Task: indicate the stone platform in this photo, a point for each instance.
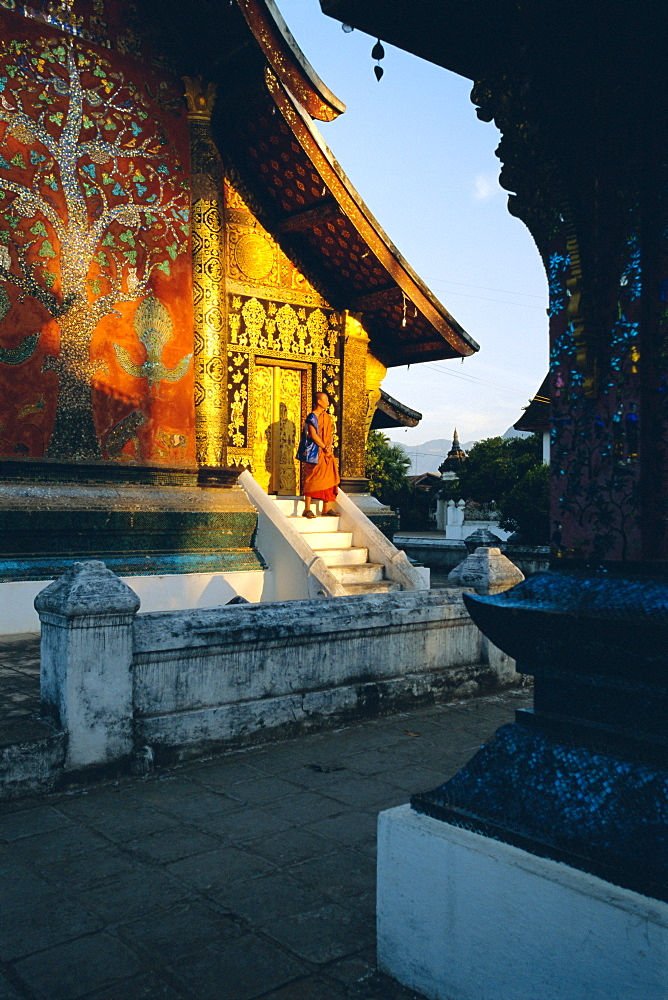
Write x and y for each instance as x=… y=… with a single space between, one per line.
x=181 y=545
x=247 y=875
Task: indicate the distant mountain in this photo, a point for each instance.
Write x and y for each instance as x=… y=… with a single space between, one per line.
x=512 y=433
x=428 y=456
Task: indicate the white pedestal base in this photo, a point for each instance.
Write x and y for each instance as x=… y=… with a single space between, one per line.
x=464 y=917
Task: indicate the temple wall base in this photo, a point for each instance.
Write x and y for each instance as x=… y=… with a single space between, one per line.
x=467 y=917
x=168 y=592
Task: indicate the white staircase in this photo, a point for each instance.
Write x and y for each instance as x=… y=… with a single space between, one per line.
x=348 y=563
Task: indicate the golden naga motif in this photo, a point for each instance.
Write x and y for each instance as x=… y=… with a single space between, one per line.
x=283 y=56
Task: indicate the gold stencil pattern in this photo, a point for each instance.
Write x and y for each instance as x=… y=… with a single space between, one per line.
x=255 y=259
x=286 y=329
x=282 y=335
x=263 y=411
x=254 y=256
x=266 y=335
x=209 y=302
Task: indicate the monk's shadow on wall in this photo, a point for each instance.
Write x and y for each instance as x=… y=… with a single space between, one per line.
x=280 y=454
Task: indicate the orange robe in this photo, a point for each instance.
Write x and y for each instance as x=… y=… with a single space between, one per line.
x=321 y=480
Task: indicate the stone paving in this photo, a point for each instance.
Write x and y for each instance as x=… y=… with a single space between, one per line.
x=19 y=688
x=247 y=875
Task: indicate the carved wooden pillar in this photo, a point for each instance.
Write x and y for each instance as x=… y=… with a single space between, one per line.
x=208 y=234
x=354 y=406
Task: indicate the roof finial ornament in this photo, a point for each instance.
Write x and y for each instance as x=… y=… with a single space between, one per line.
x=454 y=460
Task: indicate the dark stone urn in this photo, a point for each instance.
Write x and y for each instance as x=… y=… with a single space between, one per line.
x=583 y=778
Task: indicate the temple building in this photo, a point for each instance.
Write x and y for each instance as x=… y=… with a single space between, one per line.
x=453 y=461
x=536 y=417
x=183 y=263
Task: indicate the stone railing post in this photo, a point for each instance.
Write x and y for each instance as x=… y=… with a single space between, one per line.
x=454 y=520
x=488 y=571
x=86 y=662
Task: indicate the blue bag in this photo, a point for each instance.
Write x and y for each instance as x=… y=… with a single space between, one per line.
x=308 y=450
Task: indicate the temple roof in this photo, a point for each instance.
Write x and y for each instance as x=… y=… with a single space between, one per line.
x=536 y=416
x=455 y=457
x=268 y=97
x=391 y=413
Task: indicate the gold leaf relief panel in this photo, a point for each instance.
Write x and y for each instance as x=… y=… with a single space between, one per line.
x=284 y=329
x=255 y=261
x=332 y=385
x=237 y=387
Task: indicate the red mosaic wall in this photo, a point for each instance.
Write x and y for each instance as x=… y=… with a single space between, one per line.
x=96 y=327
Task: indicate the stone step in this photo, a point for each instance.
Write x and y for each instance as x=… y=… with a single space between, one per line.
x=329 y=540
x=31 y=759
x=381 y=587
x=366 y=573
x=307 y=526
x=291 y=505
x=343 y=557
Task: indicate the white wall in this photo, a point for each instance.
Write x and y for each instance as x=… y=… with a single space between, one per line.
x=216 y=675
x=169 y=592
x=463 y=916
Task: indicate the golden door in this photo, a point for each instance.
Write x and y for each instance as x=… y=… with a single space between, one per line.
x=277 y=400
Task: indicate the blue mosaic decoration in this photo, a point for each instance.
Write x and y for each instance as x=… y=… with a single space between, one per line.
x=557 y=268
x=583 y=778
x=566 y=802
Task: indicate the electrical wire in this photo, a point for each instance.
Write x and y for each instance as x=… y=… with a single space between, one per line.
x=474 y=380
x=484 y=288
x=501 y=302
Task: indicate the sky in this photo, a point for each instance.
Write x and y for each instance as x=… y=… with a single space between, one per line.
x=425 y=165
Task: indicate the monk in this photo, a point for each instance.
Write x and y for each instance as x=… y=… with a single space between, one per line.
x=321 y=476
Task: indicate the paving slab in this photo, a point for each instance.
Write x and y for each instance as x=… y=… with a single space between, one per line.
x=76 y=968
x=246 y=876
x=269 y=898
x=240 y=969
x=324 y=933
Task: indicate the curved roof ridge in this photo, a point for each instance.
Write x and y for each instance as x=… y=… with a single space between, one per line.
x=404 y=275
x=288 y=61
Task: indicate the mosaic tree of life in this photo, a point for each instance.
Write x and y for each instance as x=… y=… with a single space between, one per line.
x=98 y=208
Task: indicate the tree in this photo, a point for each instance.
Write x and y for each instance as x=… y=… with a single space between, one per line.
x=386 y=467
x=91 y=205
x=509 y=471
x=525 y=508
x=494 y=466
